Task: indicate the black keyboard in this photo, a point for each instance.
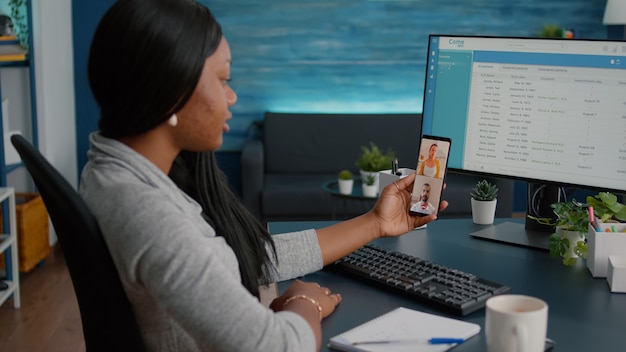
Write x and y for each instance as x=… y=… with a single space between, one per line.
x=440 y=287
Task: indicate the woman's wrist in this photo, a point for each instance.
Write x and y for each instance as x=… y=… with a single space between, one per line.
x=317 y=305
x=374 y=229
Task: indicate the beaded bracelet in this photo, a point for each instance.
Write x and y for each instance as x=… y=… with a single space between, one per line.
x=316 y=303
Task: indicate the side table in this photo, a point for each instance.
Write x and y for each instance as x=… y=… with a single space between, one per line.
x=332 y=187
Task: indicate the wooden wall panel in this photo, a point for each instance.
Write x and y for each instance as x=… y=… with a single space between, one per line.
x=360 y=55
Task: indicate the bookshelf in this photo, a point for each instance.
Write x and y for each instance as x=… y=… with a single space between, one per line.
x=8 y=245
x=21 y=93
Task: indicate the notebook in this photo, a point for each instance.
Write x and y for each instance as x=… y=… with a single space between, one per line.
x=410 y=329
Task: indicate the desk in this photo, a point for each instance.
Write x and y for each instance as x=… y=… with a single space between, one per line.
x=583 y=314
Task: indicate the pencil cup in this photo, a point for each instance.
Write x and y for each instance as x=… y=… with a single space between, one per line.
x=608 y=239
x=516 y=323
x=385 y=177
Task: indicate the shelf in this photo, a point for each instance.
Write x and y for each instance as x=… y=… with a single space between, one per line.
x=11 y=167
x=8 y=231
x=22 y=63
x=5 y=242
x=8 y=245
x=5 y=294
x=28 y=64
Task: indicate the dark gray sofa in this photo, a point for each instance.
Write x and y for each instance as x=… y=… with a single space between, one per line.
x=283 y=171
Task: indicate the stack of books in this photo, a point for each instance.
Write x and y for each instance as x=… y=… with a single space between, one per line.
x=10 y=49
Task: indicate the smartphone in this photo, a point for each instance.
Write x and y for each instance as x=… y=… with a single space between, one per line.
x=430 y=175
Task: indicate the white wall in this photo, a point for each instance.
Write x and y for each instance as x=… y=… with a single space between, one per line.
x=54 y=73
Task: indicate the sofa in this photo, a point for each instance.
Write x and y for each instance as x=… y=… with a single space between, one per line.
x=284 y=168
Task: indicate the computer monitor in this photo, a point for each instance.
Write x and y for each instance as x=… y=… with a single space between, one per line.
x=548 y=111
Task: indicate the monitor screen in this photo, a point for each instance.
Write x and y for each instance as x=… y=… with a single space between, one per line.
x=535 y=109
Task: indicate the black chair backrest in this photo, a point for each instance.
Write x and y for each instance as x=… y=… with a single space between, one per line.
x=109 y=323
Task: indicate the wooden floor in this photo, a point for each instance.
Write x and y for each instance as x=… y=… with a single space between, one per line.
x=48 y=319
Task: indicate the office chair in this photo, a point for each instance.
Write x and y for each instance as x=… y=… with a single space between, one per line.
x=108 y=320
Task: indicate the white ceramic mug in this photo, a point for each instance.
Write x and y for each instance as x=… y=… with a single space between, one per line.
x=516 y=323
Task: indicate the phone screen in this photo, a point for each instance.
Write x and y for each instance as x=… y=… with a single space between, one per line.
x=430 y=175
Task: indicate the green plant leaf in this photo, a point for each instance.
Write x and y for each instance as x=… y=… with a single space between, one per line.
x=484 y=191
x=572 y=215
x=569 y=261
x=607 y=198
x=581 y=249
x=558 y=245
x=606 y=207
x=372 y=158
x=345 y=175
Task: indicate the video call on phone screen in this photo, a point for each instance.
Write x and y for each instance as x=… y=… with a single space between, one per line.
x=430 y=174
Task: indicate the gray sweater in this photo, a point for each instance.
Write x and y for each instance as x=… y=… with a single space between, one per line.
x=183 y=280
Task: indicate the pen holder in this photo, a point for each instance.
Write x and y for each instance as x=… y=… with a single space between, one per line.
x=385 y=177
x=601 y=244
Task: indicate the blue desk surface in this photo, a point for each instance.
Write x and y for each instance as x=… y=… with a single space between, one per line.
x=583 y=314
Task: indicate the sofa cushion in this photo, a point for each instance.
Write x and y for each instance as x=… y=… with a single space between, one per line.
x=327 y=143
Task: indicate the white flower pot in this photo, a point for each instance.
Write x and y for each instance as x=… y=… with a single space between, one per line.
x=370 y=190
x=573 y=237
x=345 y=186
x=365 y=174
x=483 y=211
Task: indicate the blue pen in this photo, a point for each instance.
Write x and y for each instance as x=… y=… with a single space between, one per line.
x=441 y=340
x=431 y=341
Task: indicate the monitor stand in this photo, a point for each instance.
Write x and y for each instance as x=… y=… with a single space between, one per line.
x=514 y=233
x=531 y=233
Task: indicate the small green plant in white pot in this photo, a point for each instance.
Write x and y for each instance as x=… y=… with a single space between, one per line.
x=484 y=201
x=370 y=189
x=571 y=225
x=372 y=160
x=345 y=181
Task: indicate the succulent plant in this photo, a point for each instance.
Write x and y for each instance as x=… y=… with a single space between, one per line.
x=345 y=175
x=484 y=191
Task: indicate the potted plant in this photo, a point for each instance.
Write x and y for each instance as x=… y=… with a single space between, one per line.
x=373 y=160
x=607 y=208
x=370 y=189
x=571 y=225
x=550 y=31
x=345 y=181
x=484 y=200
